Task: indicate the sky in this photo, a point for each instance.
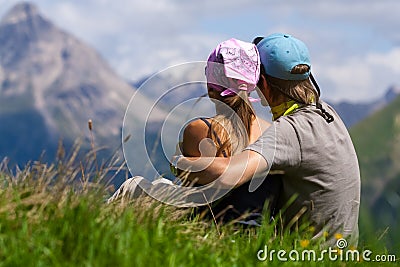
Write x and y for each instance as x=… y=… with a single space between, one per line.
x=354 y=45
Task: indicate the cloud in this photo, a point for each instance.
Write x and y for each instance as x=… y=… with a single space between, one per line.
x=378 y=16
x=389 y=61
x=350 y=42
x=361 y=78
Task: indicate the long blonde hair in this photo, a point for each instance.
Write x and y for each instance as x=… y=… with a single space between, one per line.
x=232 y=124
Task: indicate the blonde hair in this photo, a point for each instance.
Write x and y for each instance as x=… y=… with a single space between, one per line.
x=232 y=126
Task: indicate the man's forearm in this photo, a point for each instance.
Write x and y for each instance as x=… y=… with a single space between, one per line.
x=232 y=171
x=203 y=170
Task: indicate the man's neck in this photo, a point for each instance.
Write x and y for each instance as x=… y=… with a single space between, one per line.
x=277 y=101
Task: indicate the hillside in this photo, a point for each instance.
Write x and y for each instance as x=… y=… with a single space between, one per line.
x=377 y=142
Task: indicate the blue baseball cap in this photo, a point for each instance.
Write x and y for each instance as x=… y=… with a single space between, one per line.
x=280 y=52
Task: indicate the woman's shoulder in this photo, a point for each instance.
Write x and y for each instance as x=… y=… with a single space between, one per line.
x=194 y=132
x=204 y=124
x=198 y=127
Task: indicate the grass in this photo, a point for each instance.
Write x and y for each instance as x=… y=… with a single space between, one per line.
x=56 y=215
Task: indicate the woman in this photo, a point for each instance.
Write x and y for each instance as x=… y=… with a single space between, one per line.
x=232 y=72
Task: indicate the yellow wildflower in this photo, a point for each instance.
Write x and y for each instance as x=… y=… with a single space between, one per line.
x=338 y=236
x=304 y=243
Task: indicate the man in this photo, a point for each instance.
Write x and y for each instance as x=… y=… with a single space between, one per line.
x=307 y=140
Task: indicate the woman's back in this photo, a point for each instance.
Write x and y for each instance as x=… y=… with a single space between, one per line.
x=198 y=136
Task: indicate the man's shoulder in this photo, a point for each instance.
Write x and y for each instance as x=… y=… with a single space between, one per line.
x=313 y=114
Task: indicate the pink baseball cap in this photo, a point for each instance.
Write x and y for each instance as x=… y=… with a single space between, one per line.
x=233 y=66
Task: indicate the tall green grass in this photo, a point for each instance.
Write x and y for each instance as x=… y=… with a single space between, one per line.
x=56 y=215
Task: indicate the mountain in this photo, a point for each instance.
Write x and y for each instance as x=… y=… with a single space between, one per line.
x=353 y=112
x=377 y=142
x=51 y=84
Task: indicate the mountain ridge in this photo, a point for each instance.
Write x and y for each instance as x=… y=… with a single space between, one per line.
x=354 y=112
x=62 y=82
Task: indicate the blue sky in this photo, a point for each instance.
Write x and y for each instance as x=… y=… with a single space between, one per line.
x=354 y=45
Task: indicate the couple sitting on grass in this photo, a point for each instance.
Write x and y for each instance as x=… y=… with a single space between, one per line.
x=307 y=142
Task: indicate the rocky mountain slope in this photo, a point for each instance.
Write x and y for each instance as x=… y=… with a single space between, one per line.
x=51 y=84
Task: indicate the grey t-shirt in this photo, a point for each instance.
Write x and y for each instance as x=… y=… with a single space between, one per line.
x=321 y=168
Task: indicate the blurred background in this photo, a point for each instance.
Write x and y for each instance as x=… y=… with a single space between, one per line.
x=63 y=63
